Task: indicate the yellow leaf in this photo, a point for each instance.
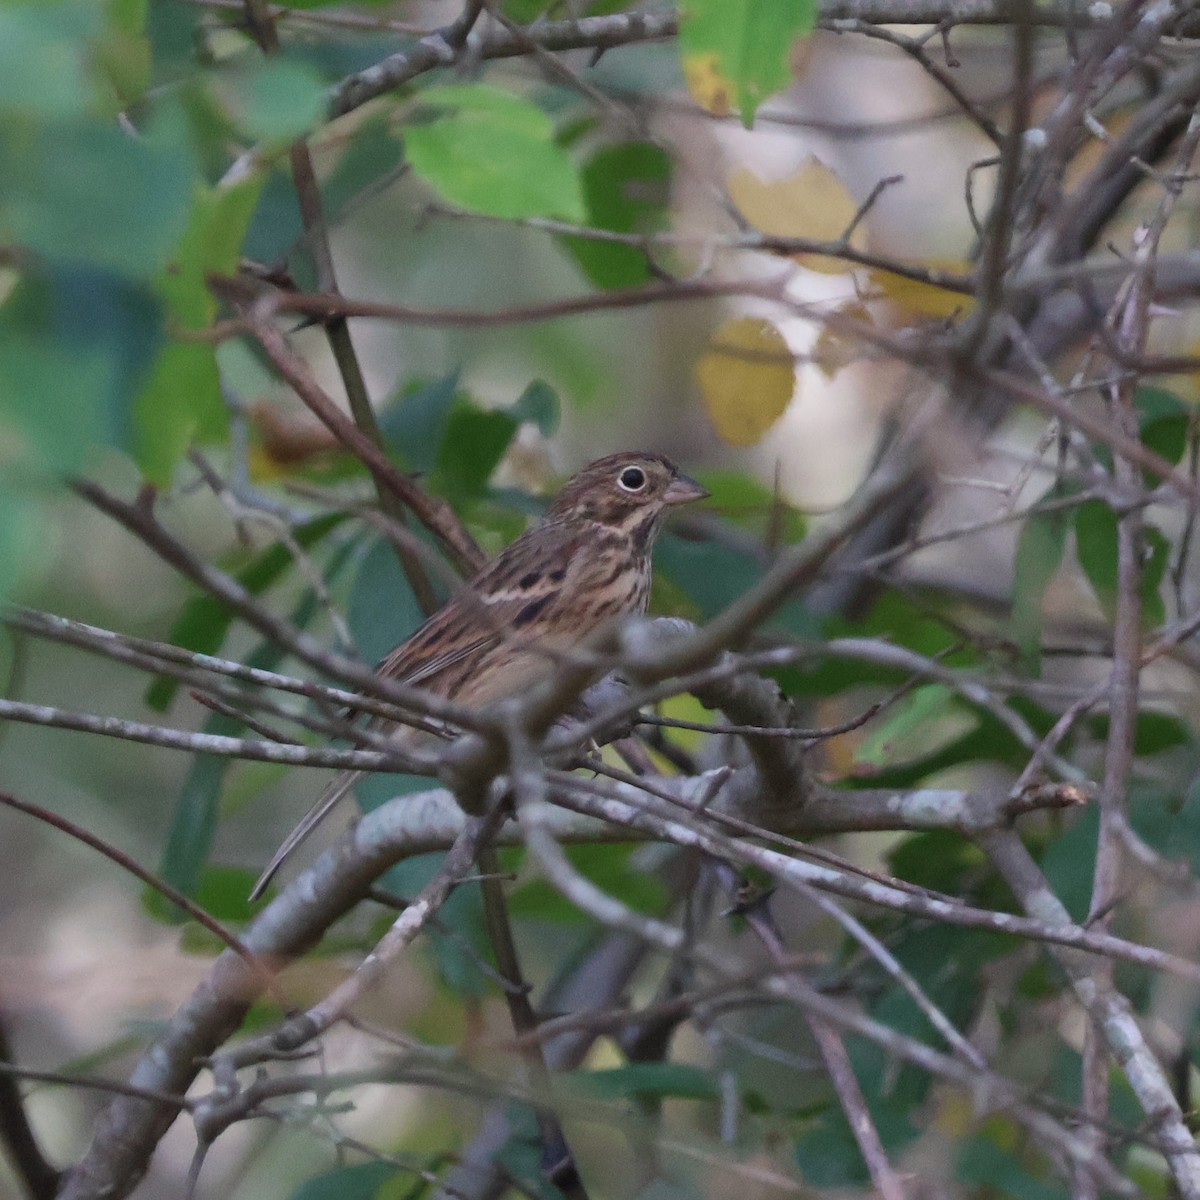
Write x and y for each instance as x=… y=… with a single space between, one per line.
x=709 y=88
x=834 y=755
x=747 y=377
x=262 y=467
x=955 y=1115
x=926 y=298
x=812 y=202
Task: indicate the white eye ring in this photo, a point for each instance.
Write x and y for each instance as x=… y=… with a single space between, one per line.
x=632 y=479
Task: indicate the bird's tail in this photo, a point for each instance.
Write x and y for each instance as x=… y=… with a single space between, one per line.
x=337 y=788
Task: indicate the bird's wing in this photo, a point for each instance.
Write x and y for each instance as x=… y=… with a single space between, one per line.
x=480 y=616
x=487 y=610
x=406 y=667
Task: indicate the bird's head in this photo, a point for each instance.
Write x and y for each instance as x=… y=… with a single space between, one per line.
x=628 y=491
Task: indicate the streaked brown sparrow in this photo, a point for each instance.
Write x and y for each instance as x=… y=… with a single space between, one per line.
x=584 y=564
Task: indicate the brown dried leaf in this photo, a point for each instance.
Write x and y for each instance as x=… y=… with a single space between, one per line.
x=837 y=346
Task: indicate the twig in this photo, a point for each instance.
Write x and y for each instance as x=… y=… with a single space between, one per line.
x=1111 y=1011
x=829 y=1043
x=944 y=78
x=252 y=749
x=140 y=521
x=302 y=1028
x=451 y=535
x=193 y=665
x=315 y=304
x=609 y=802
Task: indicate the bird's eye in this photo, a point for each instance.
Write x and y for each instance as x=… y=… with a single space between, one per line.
x=632 y=479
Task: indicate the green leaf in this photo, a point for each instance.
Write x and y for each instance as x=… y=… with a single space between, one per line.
x=827 y=1152
x=626 y=189
x=181 y=403
x=223 y=893
x=494 y=153
x=738 y=49
x=194 y=826
x=522 y=12
x=1163 y=423
x=329 y=3
x=369 y=157
x=1070 y=860
x=929 y=715
x=539 y=405
x=375 y=789
x=72 y=344
x=1040 y=547
x=1096 y=546
x=894 y=617
x=513 y=111
x=600 y=8
x=44 y=392
x=707 y=577
x=947 y=963
x=471 y=448
x=211 y=243
x=649 y=1080
x=359 y=1182
x=1154 y=732
x=460 y=940
x=1001 y=1174
x=74 y=341
x=414 y=424
x=938 y=859
x=91 y=191
x=1168 y=822
x=45 y=58
x=205 y=619
x=382 y=610
x=987 y=741
x=521 y=1159
x=124 y=54
x=274 y=101
x=911 y=623
x=128 y=16
x=174 y=33
x=711 y=576
x=276 y=230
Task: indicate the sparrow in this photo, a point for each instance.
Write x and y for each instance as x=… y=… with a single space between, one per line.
x=585 y=564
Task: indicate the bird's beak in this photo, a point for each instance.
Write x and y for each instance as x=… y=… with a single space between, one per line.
x=683 y=490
